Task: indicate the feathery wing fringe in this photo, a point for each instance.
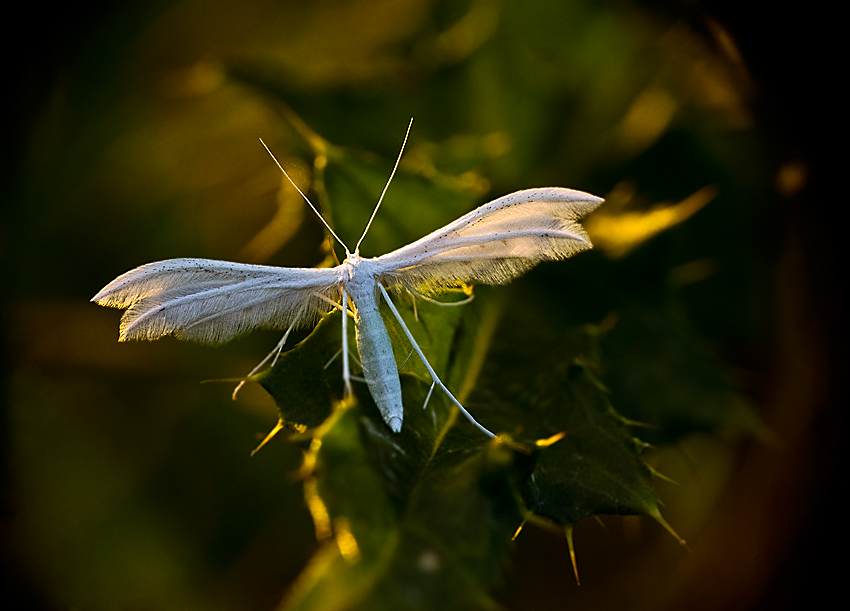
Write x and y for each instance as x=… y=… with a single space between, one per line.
x=215 y=301
x=495 y=243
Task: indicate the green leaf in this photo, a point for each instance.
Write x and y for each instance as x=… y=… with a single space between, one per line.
x=441 y=546
x=662 y=373
x=144 y=149
x=303 y=383
x=424 y=518
x=541 y=384
x=307 y=379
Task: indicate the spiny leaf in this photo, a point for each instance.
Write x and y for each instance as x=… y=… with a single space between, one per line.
x=662 y=373
x=424 y=518
x=552 y=390
x=302 y=383
x=436 y=541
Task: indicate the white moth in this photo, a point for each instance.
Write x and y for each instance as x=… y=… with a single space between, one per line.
x=214 y=301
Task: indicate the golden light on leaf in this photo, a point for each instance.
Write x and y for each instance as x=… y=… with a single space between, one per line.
x=568 y=531
x=545 y=443
x=465 y=36
x=521 y=526
x=280 y=229
x=269 y=437
x=315 y=504
x=617 y=233
x=318 y=510
x=346 y=541
x=712 y=76
x=646 y=120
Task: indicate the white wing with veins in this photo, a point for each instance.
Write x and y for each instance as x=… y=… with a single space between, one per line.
x=494 y=243
x=214 y=301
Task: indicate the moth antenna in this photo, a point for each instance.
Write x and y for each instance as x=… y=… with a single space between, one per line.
x=306 y=199
x=380 y=199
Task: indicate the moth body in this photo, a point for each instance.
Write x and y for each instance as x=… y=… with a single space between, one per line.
x=373 y=342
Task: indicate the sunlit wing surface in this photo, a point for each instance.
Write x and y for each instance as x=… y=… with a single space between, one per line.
x=215 y=301
x=495 y=243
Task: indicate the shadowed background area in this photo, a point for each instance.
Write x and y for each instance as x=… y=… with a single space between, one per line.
x=133 y=137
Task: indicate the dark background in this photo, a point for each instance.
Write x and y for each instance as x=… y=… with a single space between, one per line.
x=790 y=57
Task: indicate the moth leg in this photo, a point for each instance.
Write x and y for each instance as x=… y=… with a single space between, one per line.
x=405 y=360
x=332 y=359
x=334 y=304
x=415 y=309
x=414 y=294
x=274 y=353
x=353 y=358
x=436 y=380
x=346 y=372
x=346 y=311
x=354 y=377
x=428 y=396
x=439 y=303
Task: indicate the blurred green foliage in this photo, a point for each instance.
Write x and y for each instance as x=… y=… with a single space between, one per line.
x=133 y=485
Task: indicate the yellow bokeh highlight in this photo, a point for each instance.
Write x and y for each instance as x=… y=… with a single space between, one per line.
x=646 y=120
x=318 y=510
x=545 y=443
x=282 y=227
x=316 y=506
x=346 y=541
x=617 y=233
x=792 y=177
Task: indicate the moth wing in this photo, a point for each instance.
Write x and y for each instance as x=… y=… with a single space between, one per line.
x=496 y=242
x=215 y=301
